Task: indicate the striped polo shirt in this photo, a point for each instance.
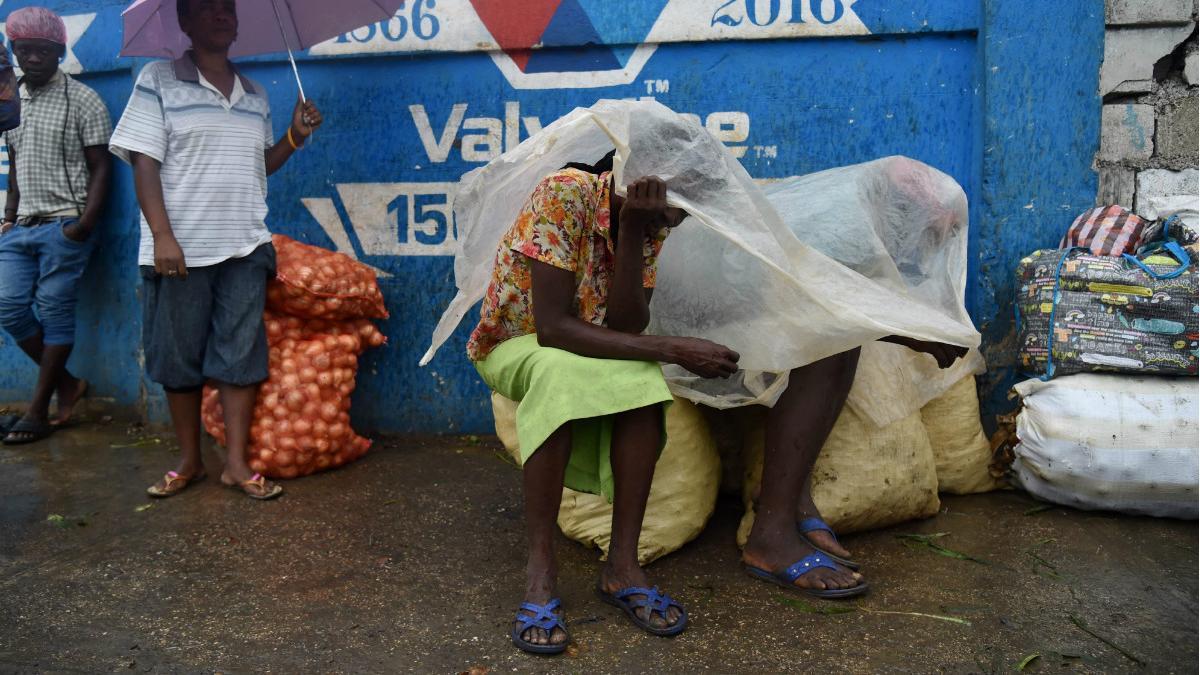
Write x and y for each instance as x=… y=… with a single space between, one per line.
x=214 y=173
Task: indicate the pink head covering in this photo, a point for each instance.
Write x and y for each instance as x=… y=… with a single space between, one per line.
x=36 y=23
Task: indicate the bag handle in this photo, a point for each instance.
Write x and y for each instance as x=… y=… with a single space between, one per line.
x=1171 y=246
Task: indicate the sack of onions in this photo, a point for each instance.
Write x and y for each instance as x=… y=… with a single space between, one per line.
x=282 y=327
x=301 y=421
x=315 y=283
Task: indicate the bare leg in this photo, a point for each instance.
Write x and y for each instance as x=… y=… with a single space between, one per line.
x=637 y=435
x=53 y=363
x=238 y=404
x=61 y=381
x=543 y=476
x=185 y=417
x=796 y=431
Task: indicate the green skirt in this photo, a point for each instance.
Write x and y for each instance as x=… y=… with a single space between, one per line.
x=554 y=387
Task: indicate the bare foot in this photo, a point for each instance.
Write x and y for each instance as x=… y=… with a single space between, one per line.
x=788 y=548
x=540 y=589
x=254 y=485
x=614 y=579
x=824 y=539
x=69 y=393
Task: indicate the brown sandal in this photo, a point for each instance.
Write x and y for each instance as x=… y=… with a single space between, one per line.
x=173 y=483
x=255 y=487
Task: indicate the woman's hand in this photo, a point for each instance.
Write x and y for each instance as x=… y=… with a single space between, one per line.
x=702 y=357
x=645 y=203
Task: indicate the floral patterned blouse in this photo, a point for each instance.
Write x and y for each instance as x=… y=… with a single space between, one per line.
x=565 y=223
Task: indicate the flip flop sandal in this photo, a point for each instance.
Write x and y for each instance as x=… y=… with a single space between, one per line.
x=7 y=422
x=654 y=600
x=809 y=563
x=544 y=617
x=173 y=484
x=255 y=481
x=815 y=525
x=34 y=432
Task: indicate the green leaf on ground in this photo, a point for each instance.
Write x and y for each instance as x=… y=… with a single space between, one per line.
x=926 y=541
x=1082 y=625
x=825 y=610
x=939 y=617
x=1038 y=509
x=140 y=443
x=506 y=458
x=143 y=507
x=1026 y=661
x=64 y=521
x=472 y=440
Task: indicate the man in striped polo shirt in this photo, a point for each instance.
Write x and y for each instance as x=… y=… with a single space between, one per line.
x=57 y=183
x=198 y=134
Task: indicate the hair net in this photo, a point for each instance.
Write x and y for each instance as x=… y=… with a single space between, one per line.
x=36 y=23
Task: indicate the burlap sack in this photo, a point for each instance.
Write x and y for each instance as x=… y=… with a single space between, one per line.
x=960 y=449
x=682 y=496
x=865 y=478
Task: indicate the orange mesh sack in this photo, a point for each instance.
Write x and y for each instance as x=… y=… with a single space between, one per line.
x=301 y=421
x=281 y=327
x=315 y=283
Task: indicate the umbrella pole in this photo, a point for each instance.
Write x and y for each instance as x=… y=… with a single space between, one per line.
x=288 y=45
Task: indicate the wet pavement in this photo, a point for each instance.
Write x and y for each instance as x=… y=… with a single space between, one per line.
x=410 y=561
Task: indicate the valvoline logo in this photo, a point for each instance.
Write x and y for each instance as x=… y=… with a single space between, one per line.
x=551 y=44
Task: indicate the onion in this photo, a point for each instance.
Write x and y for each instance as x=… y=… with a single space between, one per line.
x=329 y=411
x=295 y=400
x=312 y=408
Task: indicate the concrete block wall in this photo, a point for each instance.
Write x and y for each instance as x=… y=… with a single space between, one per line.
x=1149 y=145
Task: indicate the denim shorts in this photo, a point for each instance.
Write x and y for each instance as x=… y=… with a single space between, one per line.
x=209 y=324
x=40 y=269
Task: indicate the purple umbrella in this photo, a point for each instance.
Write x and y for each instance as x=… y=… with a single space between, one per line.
x=264 y=26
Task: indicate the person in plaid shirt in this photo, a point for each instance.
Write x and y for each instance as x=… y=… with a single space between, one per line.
x=58 y=177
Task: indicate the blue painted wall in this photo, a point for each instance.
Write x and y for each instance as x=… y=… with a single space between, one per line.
x=984 y=90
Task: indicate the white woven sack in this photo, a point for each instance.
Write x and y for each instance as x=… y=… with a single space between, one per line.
x=1111 y=442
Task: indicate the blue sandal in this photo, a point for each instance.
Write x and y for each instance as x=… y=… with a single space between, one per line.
x=544 y=617
x=788 y=577
x=816 y=524
x=653 y=599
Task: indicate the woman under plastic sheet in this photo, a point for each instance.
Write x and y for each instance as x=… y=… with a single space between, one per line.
x=591 y=397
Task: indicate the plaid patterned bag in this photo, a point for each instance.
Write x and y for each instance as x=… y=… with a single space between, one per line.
x=1108 y=230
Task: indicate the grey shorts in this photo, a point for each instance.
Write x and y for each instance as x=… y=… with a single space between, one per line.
x=209 y=325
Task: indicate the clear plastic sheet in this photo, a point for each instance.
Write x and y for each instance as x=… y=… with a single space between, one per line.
x=733 y=272
x=903 y=224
